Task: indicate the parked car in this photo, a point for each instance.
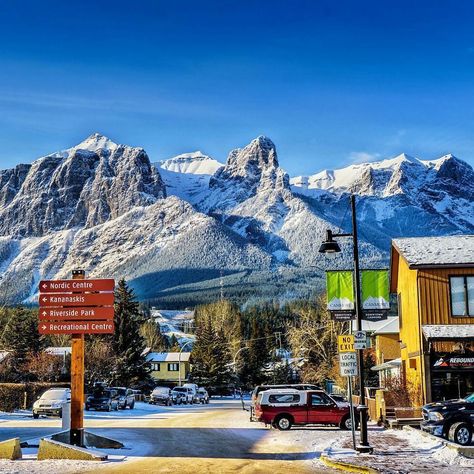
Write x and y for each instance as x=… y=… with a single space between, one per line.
x=202 y=396
x=161 y=396
x=103 y=399
x=51 y=402
x=182 y=395
x=126 y=397
x=452 y=419
x=284 y=408
x=194 y=389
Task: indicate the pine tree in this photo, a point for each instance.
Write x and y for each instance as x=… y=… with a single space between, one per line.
x=128 y=344
x=154 y=339
x=173 y=344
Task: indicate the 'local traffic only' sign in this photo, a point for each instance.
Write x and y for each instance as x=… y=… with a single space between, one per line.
x=345 y=343
x=360 y=340
x=348 y=364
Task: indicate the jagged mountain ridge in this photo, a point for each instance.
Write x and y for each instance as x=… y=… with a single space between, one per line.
x=174 y=226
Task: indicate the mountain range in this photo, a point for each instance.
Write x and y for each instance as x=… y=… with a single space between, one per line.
x=187 y=229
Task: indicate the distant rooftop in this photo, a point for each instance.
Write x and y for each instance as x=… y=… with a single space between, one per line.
x=167 y=356
x=433 y=251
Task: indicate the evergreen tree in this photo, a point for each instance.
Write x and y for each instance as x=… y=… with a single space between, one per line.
x=210 y=357
x=128 y=344
x=173 y=344
x=154 y=339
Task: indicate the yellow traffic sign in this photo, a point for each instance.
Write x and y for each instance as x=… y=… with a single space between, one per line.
x=345 y=343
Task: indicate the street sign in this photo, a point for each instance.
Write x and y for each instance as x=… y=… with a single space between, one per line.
x=82 y=299
x=345 y=343
x=348 y=364
x=64 y=286
x=360 y=340
x=76 y=327
x=76 y=313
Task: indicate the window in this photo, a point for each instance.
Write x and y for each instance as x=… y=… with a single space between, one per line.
x=155 y=366
x=462 y=295
x=319 y=399
x=173 y=367
x=284 y=398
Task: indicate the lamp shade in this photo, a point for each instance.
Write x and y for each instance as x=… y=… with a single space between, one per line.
x=329 y=247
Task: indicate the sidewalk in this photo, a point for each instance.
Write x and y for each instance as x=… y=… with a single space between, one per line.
x=400 y=451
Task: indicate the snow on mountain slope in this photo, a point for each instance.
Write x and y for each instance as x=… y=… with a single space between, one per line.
x=191 y=163
x=164 y=237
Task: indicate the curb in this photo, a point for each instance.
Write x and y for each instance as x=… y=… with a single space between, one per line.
x=345 y=466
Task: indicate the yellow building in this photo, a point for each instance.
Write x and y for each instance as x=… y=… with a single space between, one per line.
x=167 y=366
x=433 y=278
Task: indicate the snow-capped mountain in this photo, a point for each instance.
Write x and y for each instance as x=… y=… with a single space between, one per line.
x=190 y=225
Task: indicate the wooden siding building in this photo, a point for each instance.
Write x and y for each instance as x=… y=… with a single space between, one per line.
x=433 y=278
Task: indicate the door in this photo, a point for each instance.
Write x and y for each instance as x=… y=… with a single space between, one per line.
x=321 y=408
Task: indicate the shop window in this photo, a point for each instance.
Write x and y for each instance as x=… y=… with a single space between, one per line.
x=173 y=367
x=462 y=295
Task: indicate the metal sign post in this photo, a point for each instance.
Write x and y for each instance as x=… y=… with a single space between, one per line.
x=351 y=408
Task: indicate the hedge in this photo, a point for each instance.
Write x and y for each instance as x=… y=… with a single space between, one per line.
x=12 y=395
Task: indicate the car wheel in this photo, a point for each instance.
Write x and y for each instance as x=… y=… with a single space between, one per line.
x=60 y=413
x=36 y=416
x=87 y=408
x=283 y=423
x=116 y=407
x=109 y=407
x=132 y=405
x=460 y=433
x=346 y=423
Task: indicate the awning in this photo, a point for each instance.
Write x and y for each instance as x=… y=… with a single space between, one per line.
x=390 y=365
x=449 y=331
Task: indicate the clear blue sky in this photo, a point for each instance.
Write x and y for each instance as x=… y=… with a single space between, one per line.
x=328 y=81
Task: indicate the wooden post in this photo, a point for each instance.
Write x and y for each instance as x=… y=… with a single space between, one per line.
x=77 y=381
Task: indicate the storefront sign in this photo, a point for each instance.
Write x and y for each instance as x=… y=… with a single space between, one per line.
x=340 y=291
x=454 y=362
x=375 y=292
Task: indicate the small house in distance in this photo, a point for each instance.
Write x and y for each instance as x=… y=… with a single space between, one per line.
x=434 y=280
x=166 y=367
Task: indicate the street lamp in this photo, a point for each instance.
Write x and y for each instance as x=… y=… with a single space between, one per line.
x=179 y=360
x=328 y=247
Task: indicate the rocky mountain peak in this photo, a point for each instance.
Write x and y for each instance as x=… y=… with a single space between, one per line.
x=96 y=142
x=191 y=163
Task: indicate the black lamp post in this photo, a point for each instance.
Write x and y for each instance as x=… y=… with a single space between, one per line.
x=330 y=246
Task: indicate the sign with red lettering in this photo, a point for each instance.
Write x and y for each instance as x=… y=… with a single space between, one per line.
x=76 y=327
x=80 y=299
x=60 y=314
x=65 y=286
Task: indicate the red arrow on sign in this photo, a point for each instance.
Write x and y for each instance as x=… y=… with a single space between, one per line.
x=58 y=300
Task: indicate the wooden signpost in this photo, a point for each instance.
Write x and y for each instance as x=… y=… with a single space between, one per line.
x=76 y=307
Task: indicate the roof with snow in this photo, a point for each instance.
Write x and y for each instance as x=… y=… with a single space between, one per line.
x=391 y=326
x=450 y=250
x=58 y=350
x=451 y=331
x=168 y=357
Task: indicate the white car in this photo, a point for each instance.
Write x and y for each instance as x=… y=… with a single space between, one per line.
x=51 y=402
x=183 y=394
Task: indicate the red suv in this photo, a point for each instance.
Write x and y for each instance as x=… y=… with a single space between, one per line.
x=284 y=408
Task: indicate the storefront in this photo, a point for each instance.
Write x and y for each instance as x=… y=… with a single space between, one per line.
x=450 y=370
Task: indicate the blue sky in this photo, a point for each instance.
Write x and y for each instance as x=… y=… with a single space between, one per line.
x=331 y=82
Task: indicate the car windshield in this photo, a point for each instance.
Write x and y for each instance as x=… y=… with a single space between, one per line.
x=102 y=394
x=180 y=389
x=53 y=394
x=470 y=398
x=160 y=390
x=122 y=391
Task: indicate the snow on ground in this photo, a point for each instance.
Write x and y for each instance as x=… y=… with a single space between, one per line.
x=171 y=323
x=402 y=451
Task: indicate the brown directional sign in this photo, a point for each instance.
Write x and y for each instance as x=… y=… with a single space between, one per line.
x=76 y=327
x=76 y=313
x=64 y=286
x=82 y=299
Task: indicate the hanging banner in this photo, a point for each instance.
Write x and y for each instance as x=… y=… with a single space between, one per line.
x=375 y=293
x=340 y=291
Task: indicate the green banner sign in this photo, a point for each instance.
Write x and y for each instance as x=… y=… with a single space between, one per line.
x=375 y=293
x=340 y=291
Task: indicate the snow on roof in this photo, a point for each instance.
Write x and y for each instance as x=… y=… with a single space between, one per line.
x=391 y=364
x=167 y=356
x=3 y=355
x=391 y=326
x=427 y=251
x=58 y=350
x=451 y=331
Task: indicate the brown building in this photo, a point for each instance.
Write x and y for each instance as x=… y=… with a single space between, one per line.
x=434 y=280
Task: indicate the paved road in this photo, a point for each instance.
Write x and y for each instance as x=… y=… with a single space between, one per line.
x=214 y=438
